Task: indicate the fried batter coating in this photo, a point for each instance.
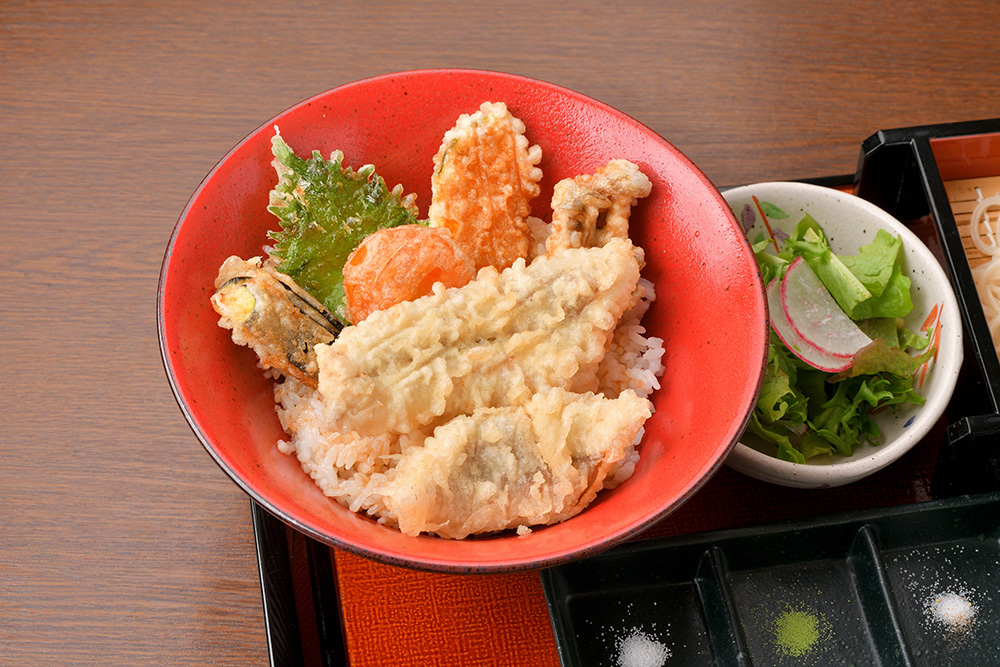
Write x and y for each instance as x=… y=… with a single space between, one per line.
x=268 y=312
x=492 y=343
x=501 y=468
x=402 y=264
x=590 y=210
x=485 y=176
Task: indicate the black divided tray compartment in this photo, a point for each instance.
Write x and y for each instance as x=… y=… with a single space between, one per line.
x=874 y=588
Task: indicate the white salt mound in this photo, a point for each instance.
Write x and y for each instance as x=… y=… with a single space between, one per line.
x=640 y=650
x=952 y=610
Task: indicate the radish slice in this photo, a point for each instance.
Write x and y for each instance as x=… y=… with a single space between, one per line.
x=793 y=341
x=816 y=316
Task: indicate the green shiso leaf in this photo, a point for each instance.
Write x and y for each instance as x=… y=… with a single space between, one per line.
x=325 y=211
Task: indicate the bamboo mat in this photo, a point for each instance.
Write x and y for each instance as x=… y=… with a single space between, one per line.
x=964 y=194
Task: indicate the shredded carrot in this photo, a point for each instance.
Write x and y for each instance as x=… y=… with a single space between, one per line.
x=766 y=223
x=933 y=320
x=930 y=318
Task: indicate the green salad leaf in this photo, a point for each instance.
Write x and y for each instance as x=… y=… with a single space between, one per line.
x=771 y=266
x=910 y=340
x=809 y=242
x=885 y=328
x=878 y=357
x=869 y=284
x=325 y=211
x=875 y=263
x=781 y=407
x=806 y=412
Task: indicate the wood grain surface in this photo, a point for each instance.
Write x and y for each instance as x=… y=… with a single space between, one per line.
x=121 y=542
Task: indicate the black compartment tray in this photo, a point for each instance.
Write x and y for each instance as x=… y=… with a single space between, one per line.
x=914 y=585
x=873 y=587
x=905 y=172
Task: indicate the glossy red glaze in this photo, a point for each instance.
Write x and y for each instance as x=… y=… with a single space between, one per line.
x=710 y=308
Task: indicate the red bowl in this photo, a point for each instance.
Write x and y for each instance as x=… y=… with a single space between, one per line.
x=709 y=311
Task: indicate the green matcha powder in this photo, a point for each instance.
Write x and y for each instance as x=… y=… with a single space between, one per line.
x=796 y=632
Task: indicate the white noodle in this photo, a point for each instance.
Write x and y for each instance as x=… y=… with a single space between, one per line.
x=987 y=276
x=987 y=246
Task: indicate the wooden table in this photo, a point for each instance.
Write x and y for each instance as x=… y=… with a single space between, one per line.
x=121 y=542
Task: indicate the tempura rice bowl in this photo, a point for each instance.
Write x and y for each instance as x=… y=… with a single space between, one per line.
x=709 y=308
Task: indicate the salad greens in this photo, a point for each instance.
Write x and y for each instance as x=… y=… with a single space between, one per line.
x=325 y=211
x=808 y=412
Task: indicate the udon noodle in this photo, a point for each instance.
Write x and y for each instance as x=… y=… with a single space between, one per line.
x=986 y=238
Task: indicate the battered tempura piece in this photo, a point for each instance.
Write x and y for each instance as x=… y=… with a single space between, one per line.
x=268 y=312
x=590 y=210
x=501 y=468
x=492 y=343
x=484 y=179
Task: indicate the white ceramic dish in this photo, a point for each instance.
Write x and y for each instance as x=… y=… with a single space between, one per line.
x=850 y=222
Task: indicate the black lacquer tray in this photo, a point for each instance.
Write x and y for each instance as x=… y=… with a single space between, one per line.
x=857 y=588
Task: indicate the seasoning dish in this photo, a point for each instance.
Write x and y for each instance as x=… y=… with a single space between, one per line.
x=709 y=310
x=849 y=223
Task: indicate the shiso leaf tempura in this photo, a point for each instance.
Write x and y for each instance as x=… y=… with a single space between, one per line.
x=326 y=210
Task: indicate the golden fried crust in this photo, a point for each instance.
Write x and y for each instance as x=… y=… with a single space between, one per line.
x=280 y=324
x=590 y=210
x=494 y=342
x=501 y=468
x=485 y=176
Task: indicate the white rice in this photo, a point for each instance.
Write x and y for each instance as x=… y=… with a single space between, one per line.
x=634 y=361
x=348 y=468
